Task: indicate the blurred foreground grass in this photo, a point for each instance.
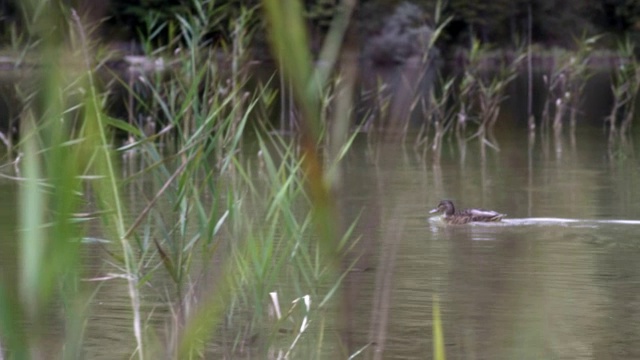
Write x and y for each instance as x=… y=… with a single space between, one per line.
x=265 y=230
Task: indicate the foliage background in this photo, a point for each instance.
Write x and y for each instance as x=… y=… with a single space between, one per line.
x=500 y=22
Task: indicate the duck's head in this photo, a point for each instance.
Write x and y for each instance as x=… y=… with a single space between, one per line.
x=444 y=206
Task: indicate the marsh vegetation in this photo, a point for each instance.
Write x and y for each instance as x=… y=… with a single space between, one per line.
x=218 y=203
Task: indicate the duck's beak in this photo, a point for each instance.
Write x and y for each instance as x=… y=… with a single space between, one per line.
x=433 y=211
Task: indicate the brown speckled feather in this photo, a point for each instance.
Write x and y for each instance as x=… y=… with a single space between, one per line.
x=451 y=216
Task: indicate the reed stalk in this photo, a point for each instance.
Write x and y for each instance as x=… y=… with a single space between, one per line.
x=199 y=206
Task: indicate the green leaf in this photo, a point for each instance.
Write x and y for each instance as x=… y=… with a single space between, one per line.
x=122 y=125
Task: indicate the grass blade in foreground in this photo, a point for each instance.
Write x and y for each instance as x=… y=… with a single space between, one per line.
x=290 y=45
x=438 y=338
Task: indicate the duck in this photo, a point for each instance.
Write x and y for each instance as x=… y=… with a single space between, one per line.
x=451 y=216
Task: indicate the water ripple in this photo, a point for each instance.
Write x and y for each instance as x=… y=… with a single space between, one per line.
x=542 y=221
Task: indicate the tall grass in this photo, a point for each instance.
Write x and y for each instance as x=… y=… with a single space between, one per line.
x=224 y=236
x=467 y=105
x=565 y=85
x=625 y=88
x=483 y=93
x=53 y=163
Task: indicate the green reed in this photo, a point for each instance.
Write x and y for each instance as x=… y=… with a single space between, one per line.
x=565 y=87
x=625 y=87
x=440 y=115
x=207 y=214
x=482 y=93
x=438 y=336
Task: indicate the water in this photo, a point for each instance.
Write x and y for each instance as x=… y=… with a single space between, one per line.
x=559 y=278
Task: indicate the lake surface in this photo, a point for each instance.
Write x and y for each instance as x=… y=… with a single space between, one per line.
x=528 y=292
x=559 y=279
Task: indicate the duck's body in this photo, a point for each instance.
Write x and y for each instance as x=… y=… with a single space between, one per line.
x=451 y=216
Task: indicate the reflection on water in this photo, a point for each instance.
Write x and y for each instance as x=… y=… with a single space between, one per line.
x=539 y=221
